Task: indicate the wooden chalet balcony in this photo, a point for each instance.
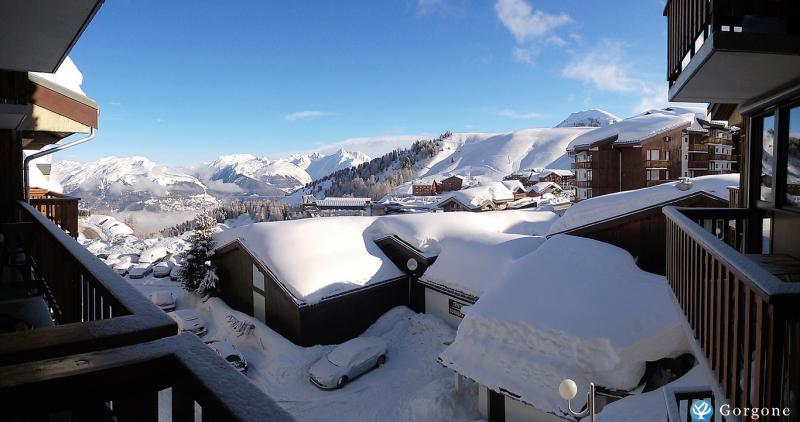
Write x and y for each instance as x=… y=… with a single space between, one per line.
x=733 y=196
x=656 y=164
x=583 y=184
x=698 y=165
x=175 y=377
x=743 y=316
x=698 y=148
x=111 y=354
x=581 y=165
x=92 y=306
x=722 y=157
x=716 y=45
x=59 y=208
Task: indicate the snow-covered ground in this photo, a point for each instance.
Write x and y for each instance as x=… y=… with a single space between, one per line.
x=411 y=386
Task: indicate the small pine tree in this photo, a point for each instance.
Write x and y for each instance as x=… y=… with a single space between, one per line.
x=194 y=272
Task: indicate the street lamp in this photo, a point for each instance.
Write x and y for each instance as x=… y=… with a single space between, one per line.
x=568 y=390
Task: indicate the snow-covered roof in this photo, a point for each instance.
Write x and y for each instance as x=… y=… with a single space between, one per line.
x=67 y=76
x=574 y=308
x=642 y=126
x=616 y=204
x=315 y=257
x=557 y=172
x=478 y=196
x=513 y=185
x=543 y=186
x=335 y=202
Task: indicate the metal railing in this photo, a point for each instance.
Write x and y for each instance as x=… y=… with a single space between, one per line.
x=741 y=315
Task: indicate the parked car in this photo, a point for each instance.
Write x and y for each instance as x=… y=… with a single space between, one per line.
x=140 y=270
x=230 y=353
x=162 y=269
x=189 y=321
x=164 y=299
x=348 y=361
x=174 y=274
x=122 y=268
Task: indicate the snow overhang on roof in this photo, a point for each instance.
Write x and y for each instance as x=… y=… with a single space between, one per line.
x=37 y=35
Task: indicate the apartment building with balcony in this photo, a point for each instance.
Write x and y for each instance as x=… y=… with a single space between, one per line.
x=734 y=271
x=77 y=341
x=652 y=148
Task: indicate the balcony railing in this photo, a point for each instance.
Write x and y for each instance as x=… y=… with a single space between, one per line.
x=703 y=148
x=656 y=164
x=173 y=378
x=583 y=184
x=698 y=165
x=733 y=196
x=581 y=164
x=59 y=208
x=93 y=307
x=743 y=317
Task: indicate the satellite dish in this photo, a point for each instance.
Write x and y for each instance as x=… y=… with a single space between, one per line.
x=412 y=264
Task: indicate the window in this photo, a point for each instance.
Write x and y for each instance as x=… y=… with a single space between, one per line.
x=653 y=174
x=258 y=279
x=652 y=154
x=667 y=138
x=666 y=155
x=793 y=159
x=259 y=306
x=767 y=138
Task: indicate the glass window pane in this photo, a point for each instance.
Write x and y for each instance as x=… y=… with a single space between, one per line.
x=767 y=138
x=793 y=162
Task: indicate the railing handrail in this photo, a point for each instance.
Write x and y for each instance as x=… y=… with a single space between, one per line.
x=756 y=277
x=144 y=321
x=182 y=362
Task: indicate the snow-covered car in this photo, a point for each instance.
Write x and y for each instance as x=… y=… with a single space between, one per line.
x=153 y=254
x=189 y=321
x=174 y=274
x=122 y=268
x=140 y=270
x=230 y=353
x=162 y=269
x=348 y=361
x=164 y=299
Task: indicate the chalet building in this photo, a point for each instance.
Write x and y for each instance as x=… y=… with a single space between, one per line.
x=516 y=187
x=542 y=188
x=424 y=189
x=450 y=184
x=324 y=293
x=738 y=287
x=78 y=342
x=333 y=206
x=564 y=178
x=652 y=148
x=526 y=176
x=492 y=197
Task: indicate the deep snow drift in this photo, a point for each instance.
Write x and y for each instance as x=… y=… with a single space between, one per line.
x=575 y=308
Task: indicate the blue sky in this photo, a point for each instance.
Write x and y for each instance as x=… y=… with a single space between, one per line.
x=184 y=81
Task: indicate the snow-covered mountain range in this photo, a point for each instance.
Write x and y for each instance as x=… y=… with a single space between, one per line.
x=589 y=118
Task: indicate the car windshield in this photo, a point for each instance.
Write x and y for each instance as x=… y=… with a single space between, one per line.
x=346 y=353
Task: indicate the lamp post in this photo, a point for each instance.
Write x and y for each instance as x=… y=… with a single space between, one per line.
x=568 y=390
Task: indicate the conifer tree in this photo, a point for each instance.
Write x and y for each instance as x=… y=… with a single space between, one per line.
x=197 y=273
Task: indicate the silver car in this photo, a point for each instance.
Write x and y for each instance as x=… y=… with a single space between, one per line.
x=348 y=361
x=189 y=321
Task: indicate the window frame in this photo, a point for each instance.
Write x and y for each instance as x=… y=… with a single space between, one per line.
x=780 y=156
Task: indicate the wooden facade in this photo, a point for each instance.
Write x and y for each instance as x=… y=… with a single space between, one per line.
x=452 y=183
x=643 y=232
x=332 y=320
x=424 y=189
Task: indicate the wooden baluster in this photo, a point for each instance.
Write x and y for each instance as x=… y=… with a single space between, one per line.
x=139 y=407
x=182 y=405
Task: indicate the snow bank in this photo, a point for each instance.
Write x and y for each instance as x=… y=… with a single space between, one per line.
x=612 y=205
x=589 y=118
x=67 y=75
x=316 y=257
x=641 y=126
x=575 y=308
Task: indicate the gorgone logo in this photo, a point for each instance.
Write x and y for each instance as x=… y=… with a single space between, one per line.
x=701 y=411
x=753 y=413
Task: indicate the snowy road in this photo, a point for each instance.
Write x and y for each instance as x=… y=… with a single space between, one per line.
x=411 y=386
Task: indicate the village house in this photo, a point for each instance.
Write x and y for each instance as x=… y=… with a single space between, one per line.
x=516 y=187
x=654 y=147
x=492 y=197
x=422 y=188
x=563 y=178
x=89 y=344
x=336 y=206
x=450 y=184
x=543 y=188
x=526 y=176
